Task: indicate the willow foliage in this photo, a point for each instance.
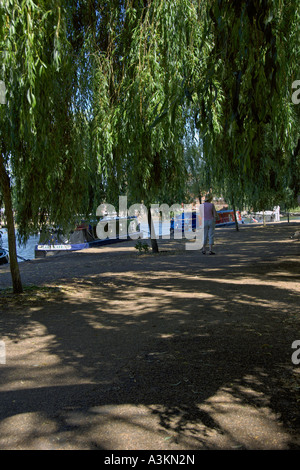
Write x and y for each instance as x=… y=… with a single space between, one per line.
x=243 y=106
x=138 y=118
x=43 y=129
x=99 y=95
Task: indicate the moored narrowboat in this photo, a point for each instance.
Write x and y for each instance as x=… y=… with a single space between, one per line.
x=86 y=235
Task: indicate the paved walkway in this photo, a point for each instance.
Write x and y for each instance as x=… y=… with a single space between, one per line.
x=175 y=351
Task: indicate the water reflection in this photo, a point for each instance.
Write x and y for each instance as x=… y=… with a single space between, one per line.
x=24 y=252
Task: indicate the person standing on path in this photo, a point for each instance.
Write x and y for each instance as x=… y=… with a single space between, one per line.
x=210 y=215
x=276 y=211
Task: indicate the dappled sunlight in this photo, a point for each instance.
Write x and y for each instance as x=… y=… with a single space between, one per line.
x=245 y=425
x=247 y=281
x=127 y=308
x=33 y=428
x=179 y=353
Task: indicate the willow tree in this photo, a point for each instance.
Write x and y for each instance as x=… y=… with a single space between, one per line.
x=155 y=158
x=242 y=97
x=43 y=128
x=135 y=52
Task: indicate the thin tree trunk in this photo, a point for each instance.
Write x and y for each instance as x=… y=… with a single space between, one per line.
x=13 y=260
x=154 y=244
x=235 y=219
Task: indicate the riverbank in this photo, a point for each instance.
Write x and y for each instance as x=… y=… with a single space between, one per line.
x=110 y=349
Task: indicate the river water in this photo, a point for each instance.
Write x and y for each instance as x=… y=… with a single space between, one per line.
x=25 y=251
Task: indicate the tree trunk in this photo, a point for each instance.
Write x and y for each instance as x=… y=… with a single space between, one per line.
x=154 y=244
x=13 y=260
x=235 y=219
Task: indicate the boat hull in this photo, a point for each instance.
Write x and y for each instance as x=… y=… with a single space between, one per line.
x=4 y=257
x=225 y=218
x=51 y=249
x=85 y=236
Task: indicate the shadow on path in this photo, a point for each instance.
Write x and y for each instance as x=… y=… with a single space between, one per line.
x=168 y=357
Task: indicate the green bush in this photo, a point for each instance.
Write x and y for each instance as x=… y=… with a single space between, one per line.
x=142 y=247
